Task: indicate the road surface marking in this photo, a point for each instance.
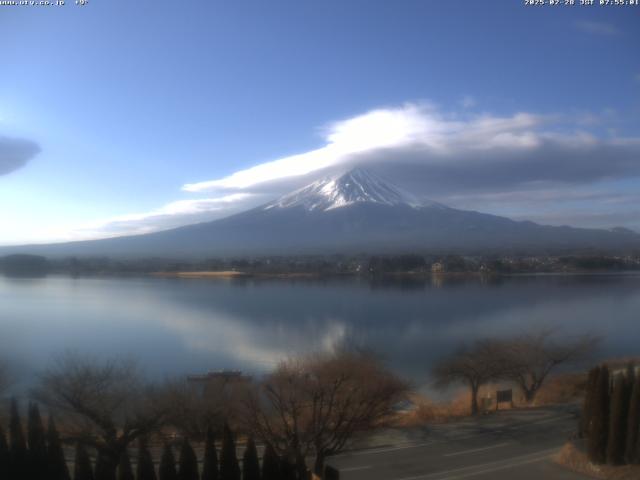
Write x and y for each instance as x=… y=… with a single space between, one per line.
x=490 y=466
x=499 y=467
x=474 y=450
x=354 y=469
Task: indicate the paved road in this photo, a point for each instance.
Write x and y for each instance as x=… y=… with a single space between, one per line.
x=509 y=444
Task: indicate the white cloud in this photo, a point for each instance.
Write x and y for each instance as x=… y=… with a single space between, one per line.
x=436 y=155
x=373 y=130
x=597 y=27
x=386 y=129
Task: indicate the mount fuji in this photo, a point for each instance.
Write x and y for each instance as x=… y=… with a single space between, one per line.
x=356 y=212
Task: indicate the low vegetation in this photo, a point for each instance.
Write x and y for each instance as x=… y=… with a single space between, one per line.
x=308 y=407
x=121 y=427
x=314 y=406
x=611 y=416
x=573 y=458
x=524 y=360
x=362 y=265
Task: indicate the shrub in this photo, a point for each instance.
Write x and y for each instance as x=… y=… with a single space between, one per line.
x=144 y=469
x=56 y=463
x=599 y=424
x=82 y=469
x=229 y=468
x=188 y=462
x=210 y=463
x=168 y=465
x=250 y=462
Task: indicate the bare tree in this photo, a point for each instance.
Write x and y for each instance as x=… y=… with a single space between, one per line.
x=194 y=407
x=474 y=366
x=106 y=405
x=528 y=359
x=315 y=405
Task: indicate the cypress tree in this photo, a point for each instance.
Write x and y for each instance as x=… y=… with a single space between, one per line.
x=250 y=462
x=167 y=465
x=633 y=424
x=105 y=468
x=37 y=444
x=287 y=469
x=270 y=464
x=618 y=422
x=188 y=462
x=4 y=455
x=210 y=463
x=82 y=469
x=56 y=463
x=125 y=472
x=599 y=425
x=145 y=469
x=592 y=381
x=229 y=468
x=17 y=446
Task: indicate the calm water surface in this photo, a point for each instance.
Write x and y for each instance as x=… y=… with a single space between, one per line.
x=175 y=326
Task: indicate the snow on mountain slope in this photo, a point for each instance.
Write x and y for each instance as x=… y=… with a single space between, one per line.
x=356 y=186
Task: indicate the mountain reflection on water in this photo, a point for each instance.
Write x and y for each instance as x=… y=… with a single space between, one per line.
x=176 y=326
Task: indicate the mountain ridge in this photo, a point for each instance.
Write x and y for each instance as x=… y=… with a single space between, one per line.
x=355 y=212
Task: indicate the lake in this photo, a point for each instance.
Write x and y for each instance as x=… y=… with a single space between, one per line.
x=177 y=326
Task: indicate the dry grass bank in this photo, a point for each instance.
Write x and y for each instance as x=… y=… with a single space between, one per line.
x=573 y=458
x=207 y=274
x=559 y=389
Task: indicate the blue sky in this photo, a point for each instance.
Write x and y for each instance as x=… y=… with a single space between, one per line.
x=126 y=117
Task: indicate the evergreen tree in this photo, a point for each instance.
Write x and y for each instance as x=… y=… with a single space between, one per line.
x=618 y=422
x=105 y=468
x=229 y=468
x=633 y=425
x=168 y=465
x=210 y=463
x=4 y=455
x=599 y=425
x=188 y=462
x=125 y=472
x=287 y=469
x=592 y=381
x=270 y=464
x=82 y=469
x=37 y=444
x=56 y=463
x=19 y=461
x=250 y=462
x=145 y=469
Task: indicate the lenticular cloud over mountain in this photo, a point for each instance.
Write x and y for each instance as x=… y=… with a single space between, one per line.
x=511 y=150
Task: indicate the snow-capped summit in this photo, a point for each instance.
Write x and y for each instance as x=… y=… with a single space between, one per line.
x=355 y=186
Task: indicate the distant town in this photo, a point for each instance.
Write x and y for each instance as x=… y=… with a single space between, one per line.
x=325 y=265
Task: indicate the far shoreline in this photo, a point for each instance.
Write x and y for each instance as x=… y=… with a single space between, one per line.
x=234 y=274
